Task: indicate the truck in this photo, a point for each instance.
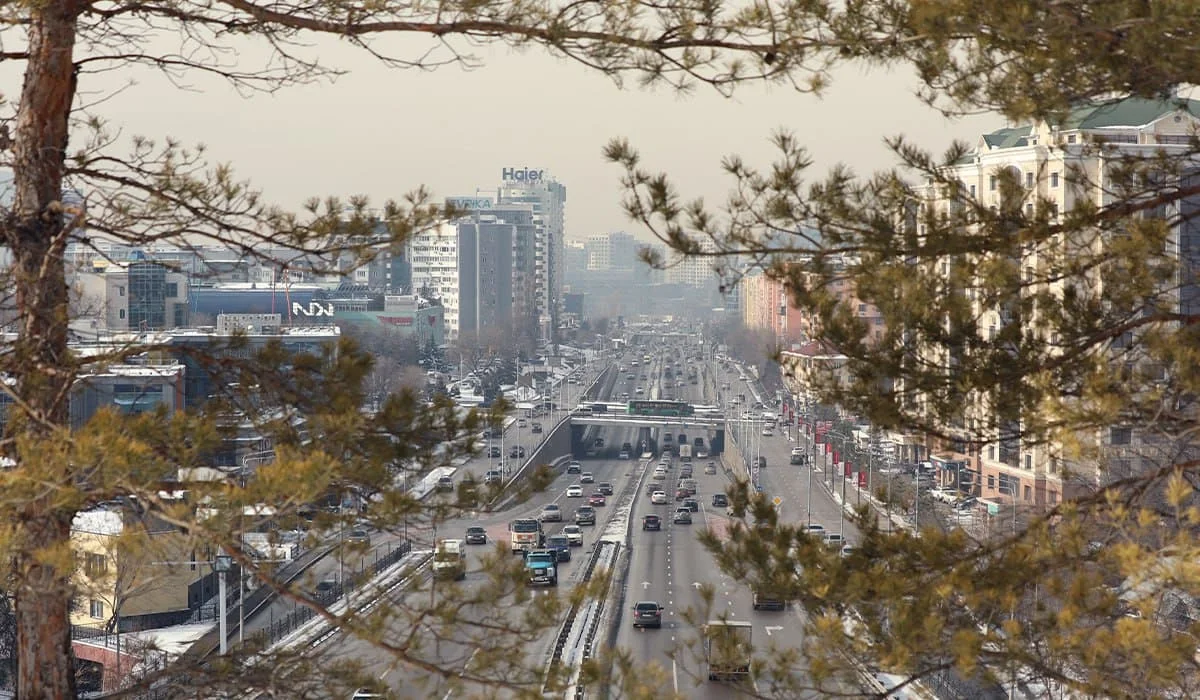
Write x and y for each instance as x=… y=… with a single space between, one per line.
x=541 y=567
x=727 y=649
x=685 y=452
x=525 y=534
x=449 y=560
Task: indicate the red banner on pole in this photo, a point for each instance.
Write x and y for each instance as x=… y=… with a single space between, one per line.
x=847 y=469
x=835 y=457
x=862 y=480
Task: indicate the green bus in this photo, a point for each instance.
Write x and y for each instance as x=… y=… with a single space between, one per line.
x=674 y=409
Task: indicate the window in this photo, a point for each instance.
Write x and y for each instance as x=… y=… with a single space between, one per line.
x=96 y=609
x=862 y=308
x=172 y=289
x=1070 y=138
x=1054 y=179
x=95 y=565
x=972 y=191
x=992 y=183
x=1052 y=496
x=991 y=453
x=1028 y=493
x=991 y=481
x=121 y=291
x=1120 y=436
x=120 y=313
x=1029 y=180
x=1029 y=461
x=1029 y=209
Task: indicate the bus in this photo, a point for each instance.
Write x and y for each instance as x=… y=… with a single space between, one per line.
x=525 y=534
x=647 y=407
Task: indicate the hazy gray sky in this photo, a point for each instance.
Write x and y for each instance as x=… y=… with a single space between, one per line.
x=381 y=132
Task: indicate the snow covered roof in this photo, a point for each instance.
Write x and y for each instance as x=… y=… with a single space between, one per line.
x=99 y=521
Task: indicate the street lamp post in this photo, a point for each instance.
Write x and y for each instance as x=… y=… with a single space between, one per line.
x=221 y=565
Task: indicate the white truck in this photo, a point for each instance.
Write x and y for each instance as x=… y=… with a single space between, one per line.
x=727 y=650
x=685 y=452
x=450 y=560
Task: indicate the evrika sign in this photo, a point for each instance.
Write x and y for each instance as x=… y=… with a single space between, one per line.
x=313 y=310
x=522 y=175
x=469 y=203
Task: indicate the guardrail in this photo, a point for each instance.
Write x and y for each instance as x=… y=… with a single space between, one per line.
x=569 y=635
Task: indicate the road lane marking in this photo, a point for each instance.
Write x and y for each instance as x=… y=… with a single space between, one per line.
x=674 y=674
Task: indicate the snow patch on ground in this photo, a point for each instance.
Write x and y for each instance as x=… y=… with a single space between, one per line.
x=173 y=640
x=618 y=526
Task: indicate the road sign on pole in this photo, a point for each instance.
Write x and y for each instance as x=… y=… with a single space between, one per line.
x=777 y=501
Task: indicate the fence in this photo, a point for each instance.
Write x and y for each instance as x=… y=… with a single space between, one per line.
x=327 y=595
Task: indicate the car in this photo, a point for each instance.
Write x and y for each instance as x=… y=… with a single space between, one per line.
x=493 y=476
x=658 y=498
x=691 y=504
x=574 y=467
x=574 y=535
x=848 y=550
x=720 y=500
x=835 y=540
x=660 y=473
x=701 y=454
x=475 y=535
x=597 y=499
x=358 y=536
x=966 y=504
x=521 y=423
x=535 y=428
x=668 y=438
x=815 y=530
x=647 y=613
x=551 y=513
x=445 y=483
x=561 y=546
x=585 y=515
x=681 y=493
x=710 y=468
x=685 y=472
x=605 y=488
x=587 y=478
x=574 y=491
x=494 y=452
x=651 y=522
x=639 y=391
x=683 y=516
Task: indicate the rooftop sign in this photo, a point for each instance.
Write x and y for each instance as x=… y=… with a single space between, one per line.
x=522 y=175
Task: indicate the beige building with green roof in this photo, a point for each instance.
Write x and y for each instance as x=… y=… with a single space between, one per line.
x=1059 y=166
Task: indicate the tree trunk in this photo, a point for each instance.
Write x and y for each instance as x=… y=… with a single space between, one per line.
x=39 y=361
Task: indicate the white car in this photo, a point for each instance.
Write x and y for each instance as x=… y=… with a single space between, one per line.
x=767 y=432
x=574 y=535
x=658 y=497
x=575 y=491
x=660 y=474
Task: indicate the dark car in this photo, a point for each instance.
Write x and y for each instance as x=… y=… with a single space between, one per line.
x=647 y=613
x=605 y=488
x=535 y=428
x=585 y=515
x=445 y=483
x=691 y=504
x=475 y=535
x=494 y=452
x=719 y=500
x=561 y=546
x=358 y=536
x=651 y=522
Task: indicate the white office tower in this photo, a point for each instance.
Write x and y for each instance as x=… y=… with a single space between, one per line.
x=548 y=198
x=434 y=258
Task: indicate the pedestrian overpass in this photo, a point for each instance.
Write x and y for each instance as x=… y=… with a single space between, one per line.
x=706 y=423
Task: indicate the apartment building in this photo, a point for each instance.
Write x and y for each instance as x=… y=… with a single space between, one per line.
x=1059 y=165
x=134 y=573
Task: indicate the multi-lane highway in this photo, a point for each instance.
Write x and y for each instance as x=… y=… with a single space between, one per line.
x=668 y=566
x=443 y=647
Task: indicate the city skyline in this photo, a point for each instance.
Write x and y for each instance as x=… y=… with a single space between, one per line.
x=293 y=145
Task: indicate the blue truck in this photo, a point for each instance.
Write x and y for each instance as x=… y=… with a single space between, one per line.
x=541 y=565
x=561 y=546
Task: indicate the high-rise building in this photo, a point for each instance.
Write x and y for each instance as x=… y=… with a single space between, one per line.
x=433 y=255
x=548 y=199
x=611 y=251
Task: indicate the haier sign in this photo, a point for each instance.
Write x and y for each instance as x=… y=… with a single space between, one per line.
x=522 y=175
x=469 y=203
x=314 y=309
